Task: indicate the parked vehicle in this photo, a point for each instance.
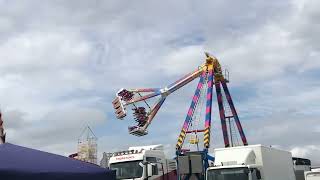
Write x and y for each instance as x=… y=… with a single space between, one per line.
x=301 y=165
x=314 y=174
x=143 y=162
x=253 y=162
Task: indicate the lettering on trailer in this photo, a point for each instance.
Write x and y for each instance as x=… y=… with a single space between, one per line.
x=125 y=157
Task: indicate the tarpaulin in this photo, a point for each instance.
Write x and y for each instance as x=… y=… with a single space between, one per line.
x=17 y=162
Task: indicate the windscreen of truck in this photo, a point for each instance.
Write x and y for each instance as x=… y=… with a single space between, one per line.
x=228 y=174
x=313 y=177
x=127 y=170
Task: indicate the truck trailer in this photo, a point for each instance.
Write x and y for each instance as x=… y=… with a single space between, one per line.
x=253 y=162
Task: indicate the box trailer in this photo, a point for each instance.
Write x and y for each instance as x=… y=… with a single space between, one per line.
x=252 y=162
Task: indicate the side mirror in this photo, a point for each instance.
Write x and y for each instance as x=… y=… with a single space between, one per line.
x=150 y=170
x=258 y=174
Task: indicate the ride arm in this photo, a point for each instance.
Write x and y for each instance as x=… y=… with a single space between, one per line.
x=168 y=90
x=140 y=129
x=143 y=98
x=154 y=111
x=185 y=80
x=145 y=90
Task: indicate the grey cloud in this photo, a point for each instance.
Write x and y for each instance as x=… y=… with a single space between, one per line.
x=61 y=126
x=290 y=132
x=14 y=119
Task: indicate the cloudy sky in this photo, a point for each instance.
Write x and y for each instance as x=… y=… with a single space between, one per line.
x=62 y=62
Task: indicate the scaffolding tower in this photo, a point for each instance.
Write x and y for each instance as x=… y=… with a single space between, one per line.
x=87 y=146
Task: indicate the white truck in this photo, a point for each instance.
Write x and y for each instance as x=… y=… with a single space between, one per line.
x=143 y=162
x=300 y=166
x=314 y=174
x=254 y=162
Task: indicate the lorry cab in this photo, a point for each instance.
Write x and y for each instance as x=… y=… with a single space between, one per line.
x=145 y=162
x=314 y=174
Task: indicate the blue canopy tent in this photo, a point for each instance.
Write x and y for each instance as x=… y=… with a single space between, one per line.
x=23 y=163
